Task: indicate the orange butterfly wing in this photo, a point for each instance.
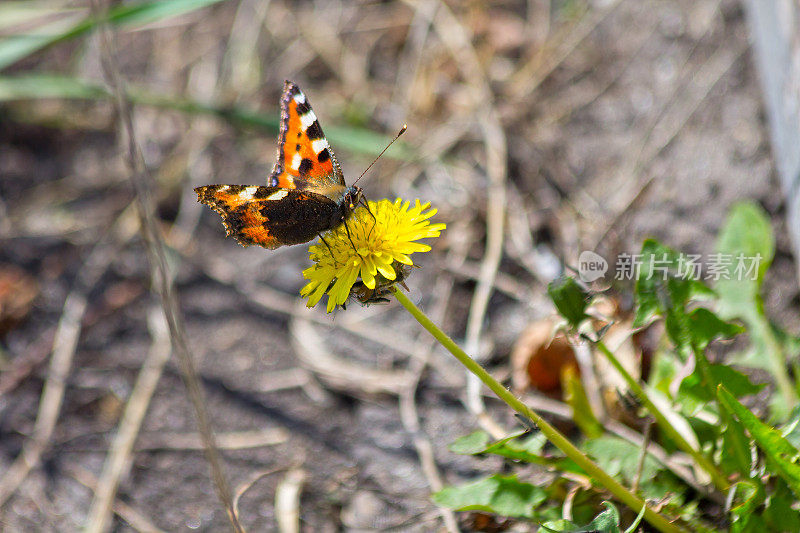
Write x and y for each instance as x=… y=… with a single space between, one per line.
x=305 y=159
x=269 y=216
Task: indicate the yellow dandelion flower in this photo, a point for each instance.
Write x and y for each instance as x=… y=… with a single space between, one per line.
x=378 y=239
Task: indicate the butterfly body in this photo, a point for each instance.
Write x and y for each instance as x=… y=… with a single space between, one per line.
x=305 y=194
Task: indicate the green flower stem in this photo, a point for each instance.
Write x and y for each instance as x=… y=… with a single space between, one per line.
x=663 y=422
x=553 y=435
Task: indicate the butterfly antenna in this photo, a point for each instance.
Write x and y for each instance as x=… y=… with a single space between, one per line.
x=402 y=131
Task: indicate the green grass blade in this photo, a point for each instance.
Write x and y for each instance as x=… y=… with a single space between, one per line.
x=19 y=46
x=778 y=451
x=40 y=86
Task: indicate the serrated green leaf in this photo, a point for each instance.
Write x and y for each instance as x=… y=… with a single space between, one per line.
x=791 y=429
x=605 y=522
x=749 y=495
x=781 y=513
x=736 y=382
x=706 y=327
x=570 y=299
x=779 y=452
x=735 y=451
x=747 y=240
x=664 y=288
x=504 y=495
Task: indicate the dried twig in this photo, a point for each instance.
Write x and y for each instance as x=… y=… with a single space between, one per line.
x=64 y=344
x=162 y=279
x=135 y=518
x=287 y=501
x=229 y=440
x=118 y=460
x=457 y=40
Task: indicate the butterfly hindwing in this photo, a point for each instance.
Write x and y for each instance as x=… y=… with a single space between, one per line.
x=305 y=159
x=270 y=216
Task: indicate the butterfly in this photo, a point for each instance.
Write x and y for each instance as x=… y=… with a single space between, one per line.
x=305 y=194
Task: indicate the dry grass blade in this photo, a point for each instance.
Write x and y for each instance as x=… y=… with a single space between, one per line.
x=338 y=372
x=244 y=487
x=64 y=344
x=135 y=518
x=119 y=457
x=233 y=440
x=287 y=501
x=409 y=414
x=162 y=279
x=455 y=37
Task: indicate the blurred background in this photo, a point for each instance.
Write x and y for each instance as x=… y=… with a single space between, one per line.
x=539 y=129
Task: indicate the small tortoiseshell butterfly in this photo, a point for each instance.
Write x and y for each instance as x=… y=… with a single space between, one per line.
x=305 y=195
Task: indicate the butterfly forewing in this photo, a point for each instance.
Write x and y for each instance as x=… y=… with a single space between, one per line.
x=305 y=159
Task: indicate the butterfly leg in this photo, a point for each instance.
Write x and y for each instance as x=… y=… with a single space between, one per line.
x=329 y=246
x=347 y=229
x=374 y=220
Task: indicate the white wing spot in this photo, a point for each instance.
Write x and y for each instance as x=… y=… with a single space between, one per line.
x=308 y=119
x=300 y=98
x=278 y=195
x=223 y=188
x=319 y=145
x=296 y=160
x=248 y=193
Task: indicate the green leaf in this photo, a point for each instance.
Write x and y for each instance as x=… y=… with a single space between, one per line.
x=516 y=447
x=35 y=86
x=472 y=444
x=605 y=522
x=791 y=429
x=779 y=452
x=504 y=495
x=781 y=513
x=706 y=326
x=570 y=299
x=620 y=457
x=747 y=231
x=735 y=452
x=635 y=523
x=750 y=496
x=664 y=288
x=736 y=382
x=747 y=240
